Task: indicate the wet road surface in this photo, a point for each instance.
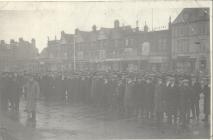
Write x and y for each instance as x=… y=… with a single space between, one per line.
x=60 y=121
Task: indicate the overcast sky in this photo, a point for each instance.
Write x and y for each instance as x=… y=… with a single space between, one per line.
x=40 y=20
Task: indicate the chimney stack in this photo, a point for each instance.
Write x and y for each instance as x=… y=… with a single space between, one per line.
x=116 y=24
x=137 y=28
x=62 y=33
x=170 y=22
x=146 y=27
x=12 y=41
x=33 y=42
x=76 y=31
x=2 y=42
x=21 y=39
x=94 y=28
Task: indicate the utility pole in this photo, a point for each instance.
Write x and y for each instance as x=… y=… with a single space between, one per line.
x=152 y=19
x=74 y=58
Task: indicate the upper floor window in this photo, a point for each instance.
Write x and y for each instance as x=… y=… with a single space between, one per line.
x=132 y=41
x=116 y=43
x=182 y=46
x=126 y=42
x=102 y=54
x=202 y=29
x=195 y=29
x=105 y=43
x=185 y=31
x=181 y=31
x=145 y=50
x=206 y=29
x=128 y=50
x=162 y=43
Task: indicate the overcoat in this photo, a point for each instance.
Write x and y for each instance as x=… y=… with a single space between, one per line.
x=148 y=97
x=172 y=98
x=33 y=91
x=196 y=92
x=128 y=95
x=15 y=90
x=159 y=104
x=120 y=89
x=207 y=98
x=185 y=96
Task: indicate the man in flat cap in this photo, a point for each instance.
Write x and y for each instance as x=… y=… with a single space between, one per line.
x=185 y=91
x=207 y=98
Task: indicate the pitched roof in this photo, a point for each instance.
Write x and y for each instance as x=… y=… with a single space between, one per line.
x=188 y=15
x=85 y=35
x=67 y=37
x=54 y=43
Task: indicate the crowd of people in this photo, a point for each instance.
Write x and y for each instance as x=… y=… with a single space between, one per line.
x=144 y=96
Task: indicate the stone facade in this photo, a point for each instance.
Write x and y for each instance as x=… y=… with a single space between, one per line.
x=191 y=41
x=183 y=47
x=119 y=48
x=18 y=56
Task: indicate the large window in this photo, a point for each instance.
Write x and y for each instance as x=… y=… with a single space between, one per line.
x=126 y=42
x=116 y=43
x=162 y=43
x=185 y=30
x=182 y=46
x=202 y=29
x=193 y=29
x=181 y=31
x=102 y=54
x=145 y=50
x=105 y=43
x=128 y=52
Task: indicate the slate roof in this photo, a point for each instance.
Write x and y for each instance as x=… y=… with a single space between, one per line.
x=189 y=15
x=68 y=37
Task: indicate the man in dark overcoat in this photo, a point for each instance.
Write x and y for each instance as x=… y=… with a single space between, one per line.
x=185 y=100
x=148 y=98
x=172 y=100
x=16 y=92
x=207 y=99
x=196 y=87
x=120 y=89
x=4 y=91
x=159 y=102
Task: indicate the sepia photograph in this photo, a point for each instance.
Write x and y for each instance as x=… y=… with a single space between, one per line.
x=94 y=70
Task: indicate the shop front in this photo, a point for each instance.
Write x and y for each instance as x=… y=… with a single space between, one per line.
x=185 y=65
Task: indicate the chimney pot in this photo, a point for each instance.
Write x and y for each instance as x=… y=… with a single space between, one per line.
x=116 y=24
x=94 y=28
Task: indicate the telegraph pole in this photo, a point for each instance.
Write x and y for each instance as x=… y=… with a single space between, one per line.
x=152 y=19
x=74 y=58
